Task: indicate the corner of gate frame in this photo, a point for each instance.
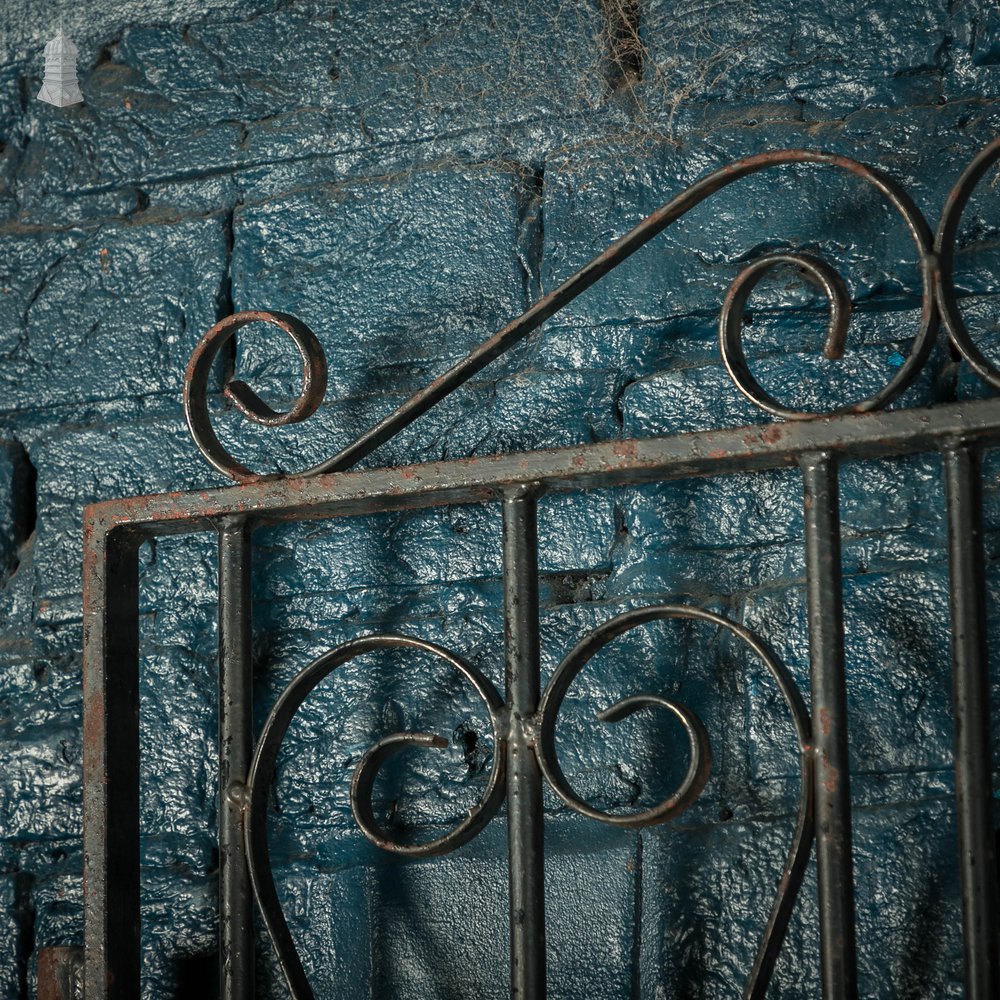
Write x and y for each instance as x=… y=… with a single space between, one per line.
x=523 y=717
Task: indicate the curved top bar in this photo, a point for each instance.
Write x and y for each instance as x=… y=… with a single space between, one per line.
x=515 y=331
x=620 y=250
x=944 y=247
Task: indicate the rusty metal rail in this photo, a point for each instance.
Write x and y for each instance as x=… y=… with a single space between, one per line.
x=523 y=718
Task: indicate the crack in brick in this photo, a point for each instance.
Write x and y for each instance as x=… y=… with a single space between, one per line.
x=530 y=238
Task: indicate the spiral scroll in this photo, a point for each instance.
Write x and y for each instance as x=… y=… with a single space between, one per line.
x=262 y=776
x=700 y=757
x=944 y=246
x=812 y=268
x=314 y=375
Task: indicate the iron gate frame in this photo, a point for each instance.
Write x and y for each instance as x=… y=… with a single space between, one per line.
x=523 y=719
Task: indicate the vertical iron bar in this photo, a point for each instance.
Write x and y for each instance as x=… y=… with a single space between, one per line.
x=835 y=874
x=111 y=763
x=236 y=946
x=971 y=702
x=524 y=779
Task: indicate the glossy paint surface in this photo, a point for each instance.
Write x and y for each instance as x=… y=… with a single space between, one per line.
x=406 y=178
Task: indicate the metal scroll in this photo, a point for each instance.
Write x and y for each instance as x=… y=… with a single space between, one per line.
x=524 y=718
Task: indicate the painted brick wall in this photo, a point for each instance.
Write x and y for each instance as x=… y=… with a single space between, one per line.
x=405 y=178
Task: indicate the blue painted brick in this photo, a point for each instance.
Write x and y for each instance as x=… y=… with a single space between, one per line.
x=832 y=60
x=138 y=293
x=407 y=180
x=897 y=652
x=41 y=793
x=335 y=912
x=344 y=262
x=10 y=987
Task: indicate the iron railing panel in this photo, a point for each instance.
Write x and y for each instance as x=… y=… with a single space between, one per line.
x=524 y=718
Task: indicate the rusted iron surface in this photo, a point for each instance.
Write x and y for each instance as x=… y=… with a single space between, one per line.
x=524 y=719
x=199 y=370
x=813 y=268
x=111 y=765
x=60 y=973
x=610 y=463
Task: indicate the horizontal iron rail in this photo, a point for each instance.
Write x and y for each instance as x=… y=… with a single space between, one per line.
x=816 y=443
x=114 y=530
x=610 y=463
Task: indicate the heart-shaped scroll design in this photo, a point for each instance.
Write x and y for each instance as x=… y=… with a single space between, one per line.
x=544 y=725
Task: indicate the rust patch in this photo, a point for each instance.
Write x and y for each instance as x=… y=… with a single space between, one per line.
x=824 y=721
x=60 y=971
x=831 y=774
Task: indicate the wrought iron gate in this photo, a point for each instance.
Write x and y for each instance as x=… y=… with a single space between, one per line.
x=523 y=718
